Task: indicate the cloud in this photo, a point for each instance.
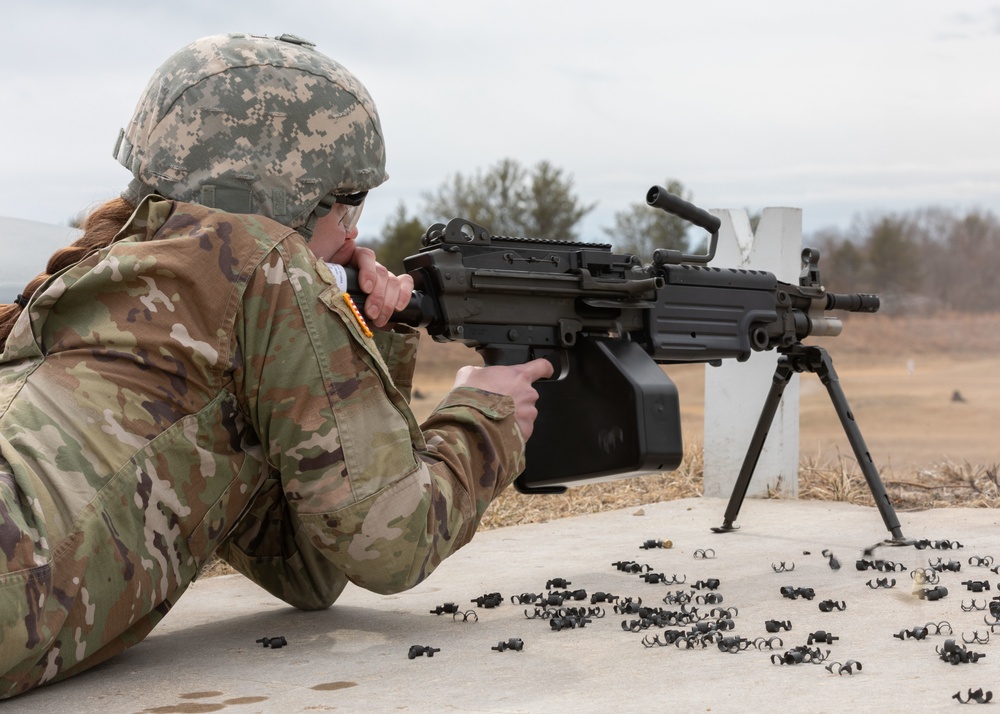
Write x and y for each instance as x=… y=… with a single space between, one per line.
x=770 y=103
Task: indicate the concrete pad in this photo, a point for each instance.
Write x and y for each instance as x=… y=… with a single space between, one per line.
x=354 y=656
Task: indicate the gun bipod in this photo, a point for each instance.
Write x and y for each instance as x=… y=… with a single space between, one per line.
x=800 y=358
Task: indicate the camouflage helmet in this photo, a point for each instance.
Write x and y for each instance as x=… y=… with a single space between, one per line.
x=253 y=124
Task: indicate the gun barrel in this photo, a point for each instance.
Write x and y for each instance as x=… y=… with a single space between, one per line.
x=852 y=302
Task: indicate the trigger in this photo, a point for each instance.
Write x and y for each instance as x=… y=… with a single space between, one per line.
x=560 y=364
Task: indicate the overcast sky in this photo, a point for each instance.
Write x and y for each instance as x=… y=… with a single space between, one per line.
x=839 y=108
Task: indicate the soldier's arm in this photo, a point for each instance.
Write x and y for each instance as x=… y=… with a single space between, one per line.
x=357 y=488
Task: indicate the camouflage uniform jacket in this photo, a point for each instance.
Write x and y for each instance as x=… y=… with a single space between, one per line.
x=201 y=385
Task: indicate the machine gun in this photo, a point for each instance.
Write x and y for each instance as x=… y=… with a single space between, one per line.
x=607 y=322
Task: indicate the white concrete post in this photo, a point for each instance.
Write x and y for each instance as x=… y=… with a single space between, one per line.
x=735 y=392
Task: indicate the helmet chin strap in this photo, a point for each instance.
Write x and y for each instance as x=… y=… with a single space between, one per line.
x=136 y=191
x=306 y=230
x=324 y=206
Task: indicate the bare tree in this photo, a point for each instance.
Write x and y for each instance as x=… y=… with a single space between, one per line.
x=641 y=229
x=508 y=199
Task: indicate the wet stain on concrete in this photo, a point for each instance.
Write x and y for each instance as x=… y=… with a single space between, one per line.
x=200 y=695
x=330 y=686
x=203 y=707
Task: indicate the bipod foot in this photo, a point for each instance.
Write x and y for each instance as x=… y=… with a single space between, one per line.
x=889 y=542
x=726 y=527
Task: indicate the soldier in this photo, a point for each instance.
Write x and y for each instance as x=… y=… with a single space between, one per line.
x=189 y=379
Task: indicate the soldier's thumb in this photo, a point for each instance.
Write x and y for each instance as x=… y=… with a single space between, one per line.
x=537 y=369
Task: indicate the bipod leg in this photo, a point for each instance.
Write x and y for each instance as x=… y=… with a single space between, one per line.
x=822 y=365
x=782 y=375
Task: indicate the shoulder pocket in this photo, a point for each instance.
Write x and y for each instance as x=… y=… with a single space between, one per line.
x=377 y=430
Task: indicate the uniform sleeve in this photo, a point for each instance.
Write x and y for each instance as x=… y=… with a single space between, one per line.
x=357 y=489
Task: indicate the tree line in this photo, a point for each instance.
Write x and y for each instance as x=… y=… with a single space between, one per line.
x=921 y=260
x=924 y=259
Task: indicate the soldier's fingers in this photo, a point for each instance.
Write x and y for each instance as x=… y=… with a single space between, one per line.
x=405 y=291
x=394 y=294
x=373 y=277
x=538 y=369
x=364 y=260
x=384 y=293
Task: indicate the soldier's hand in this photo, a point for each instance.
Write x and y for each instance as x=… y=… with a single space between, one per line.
x=386 y=292
x=515 y=381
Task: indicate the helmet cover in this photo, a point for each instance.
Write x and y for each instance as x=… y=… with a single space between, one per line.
x=253 y=124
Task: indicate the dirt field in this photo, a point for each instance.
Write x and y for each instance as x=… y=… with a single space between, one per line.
x=898 y=373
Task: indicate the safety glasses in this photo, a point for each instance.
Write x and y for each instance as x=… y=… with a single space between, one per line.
x=354 y=203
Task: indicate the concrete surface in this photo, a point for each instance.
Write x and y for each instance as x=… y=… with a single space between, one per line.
x=353 y=657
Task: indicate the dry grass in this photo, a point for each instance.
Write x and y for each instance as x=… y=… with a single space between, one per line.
x=945 y=485
x=513 y=508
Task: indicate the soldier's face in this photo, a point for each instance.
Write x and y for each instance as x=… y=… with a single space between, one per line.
x=331 y=241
